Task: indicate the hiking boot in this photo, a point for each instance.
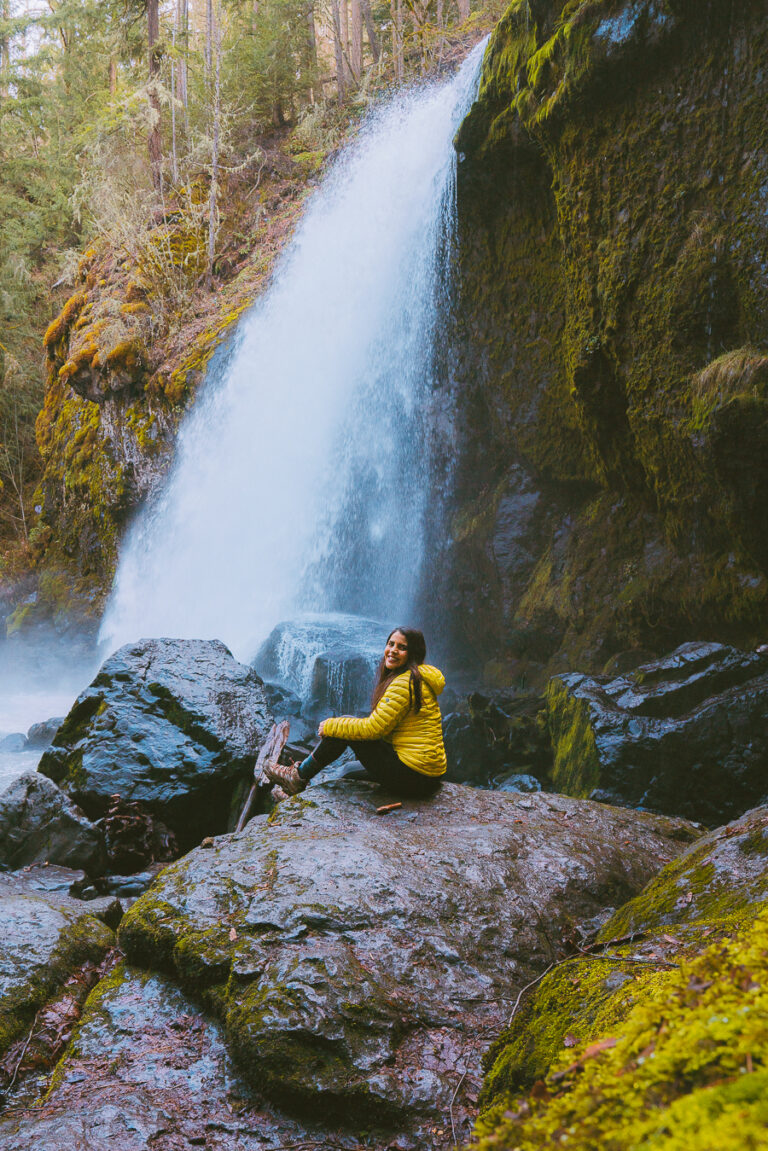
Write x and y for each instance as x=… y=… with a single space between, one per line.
x=287 y=778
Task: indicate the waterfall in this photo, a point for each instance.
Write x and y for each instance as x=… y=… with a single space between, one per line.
x=302 y=475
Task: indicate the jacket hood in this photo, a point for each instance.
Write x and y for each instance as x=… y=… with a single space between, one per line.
x=433 y=676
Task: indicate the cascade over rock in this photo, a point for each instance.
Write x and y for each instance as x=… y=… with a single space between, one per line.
x=172 y=724
x=609 y=347
x=358 y=962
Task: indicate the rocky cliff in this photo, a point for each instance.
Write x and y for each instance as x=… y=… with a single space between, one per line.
x=610 y=337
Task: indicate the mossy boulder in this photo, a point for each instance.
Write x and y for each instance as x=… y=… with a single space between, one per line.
x=658 y=1038
x=147 y=1068
x=608 y=354
x=685 y=734
x=172 y=724
x=350 y=954
x=46 y=937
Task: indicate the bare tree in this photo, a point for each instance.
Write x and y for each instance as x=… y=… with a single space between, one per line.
x=338 y=52
x=396 y=12
x=215 y=31
x=370 y=28
x=155 y=139
x=356 y=40
x=463 y=10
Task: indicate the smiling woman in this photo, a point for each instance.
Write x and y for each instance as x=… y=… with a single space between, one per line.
x=400 y=744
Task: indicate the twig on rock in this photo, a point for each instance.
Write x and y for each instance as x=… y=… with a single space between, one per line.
x=21 y=1057
x=387 y=807
x=453 y=1100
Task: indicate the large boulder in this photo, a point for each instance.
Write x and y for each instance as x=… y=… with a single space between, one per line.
x=146 y=1069
x=686 y=735
x=358 y=961
x=40 y=824
x=173 y=724
x=670 y=1003
x=46 y=936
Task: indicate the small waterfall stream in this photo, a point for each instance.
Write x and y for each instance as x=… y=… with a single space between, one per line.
x=302 y=475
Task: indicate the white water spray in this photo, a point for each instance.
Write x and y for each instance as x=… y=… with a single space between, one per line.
x=302 y=475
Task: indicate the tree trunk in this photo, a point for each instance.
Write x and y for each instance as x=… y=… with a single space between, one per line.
x=112 y=76
x=312 y=53
x=208 y=39
x=155 y=138
x=344 y=14
x=212 y=222
x=5 y=49
x=182 y=26
x=463 y=10
x=370 y=28
x=338 y=51
x=396 y=12
x=356 y=40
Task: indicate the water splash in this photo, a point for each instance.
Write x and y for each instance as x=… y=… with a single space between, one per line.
x=302 y=476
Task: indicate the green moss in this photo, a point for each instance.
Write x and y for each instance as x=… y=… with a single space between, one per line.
x=682 y=1063
x=83 y=940
x=576 y=765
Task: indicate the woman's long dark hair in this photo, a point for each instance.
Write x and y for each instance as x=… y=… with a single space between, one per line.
x=417 y=653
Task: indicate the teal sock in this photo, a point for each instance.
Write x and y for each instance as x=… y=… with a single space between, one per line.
x=308 y=769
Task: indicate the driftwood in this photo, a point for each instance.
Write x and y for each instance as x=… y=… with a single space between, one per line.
x=269 y=755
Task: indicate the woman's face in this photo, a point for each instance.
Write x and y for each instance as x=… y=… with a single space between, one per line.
x=396 y=651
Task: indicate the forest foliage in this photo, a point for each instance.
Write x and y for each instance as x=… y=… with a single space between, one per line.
x=119 y=115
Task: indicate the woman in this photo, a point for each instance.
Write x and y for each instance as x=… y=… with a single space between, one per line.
x=400 y=744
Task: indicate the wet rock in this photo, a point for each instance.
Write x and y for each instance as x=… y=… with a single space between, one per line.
x=41 y=734
x=147 y=1069
x=39 y=823
x=515 y=782
x=360 y=963
x=494 y=736
x=328 y=661
x=46 y=936
x=172 y=724
x=685 y=735
x=14 y=743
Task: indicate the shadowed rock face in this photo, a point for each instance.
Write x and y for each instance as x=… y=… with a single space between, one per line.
x=686 y=734
x=608 y=358
x=170 y=723
x=360 y=963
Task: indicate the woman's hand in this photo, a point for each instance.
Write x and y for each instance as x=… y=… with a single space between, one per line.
x=320 y=729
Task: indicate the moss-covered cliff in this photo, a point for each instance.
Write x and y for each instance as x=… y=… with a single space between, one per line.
x=124 y=358
x=611 y=371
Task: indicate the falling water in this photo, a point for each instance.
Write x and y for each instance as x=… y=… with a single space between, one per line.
x=302 y=476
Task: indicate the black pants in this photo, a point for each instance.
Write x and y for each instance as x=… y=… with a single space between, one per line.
x=381 y=763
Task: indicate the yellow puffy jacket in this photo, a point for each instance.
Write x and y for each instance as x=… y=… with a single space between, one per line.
x=417 y=737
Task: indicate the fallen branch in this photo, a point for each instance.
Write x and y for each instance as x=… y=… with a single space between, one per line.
x=268 y=756
x=387 y=807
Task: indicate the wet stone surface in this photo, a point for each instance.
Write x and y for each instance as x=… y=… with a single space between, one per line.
x=147 y=1069
x=171 y=724
x=360 y=963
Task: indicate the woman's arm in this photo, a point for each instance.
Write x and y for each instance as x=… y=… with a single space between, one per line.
x=390 y=709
